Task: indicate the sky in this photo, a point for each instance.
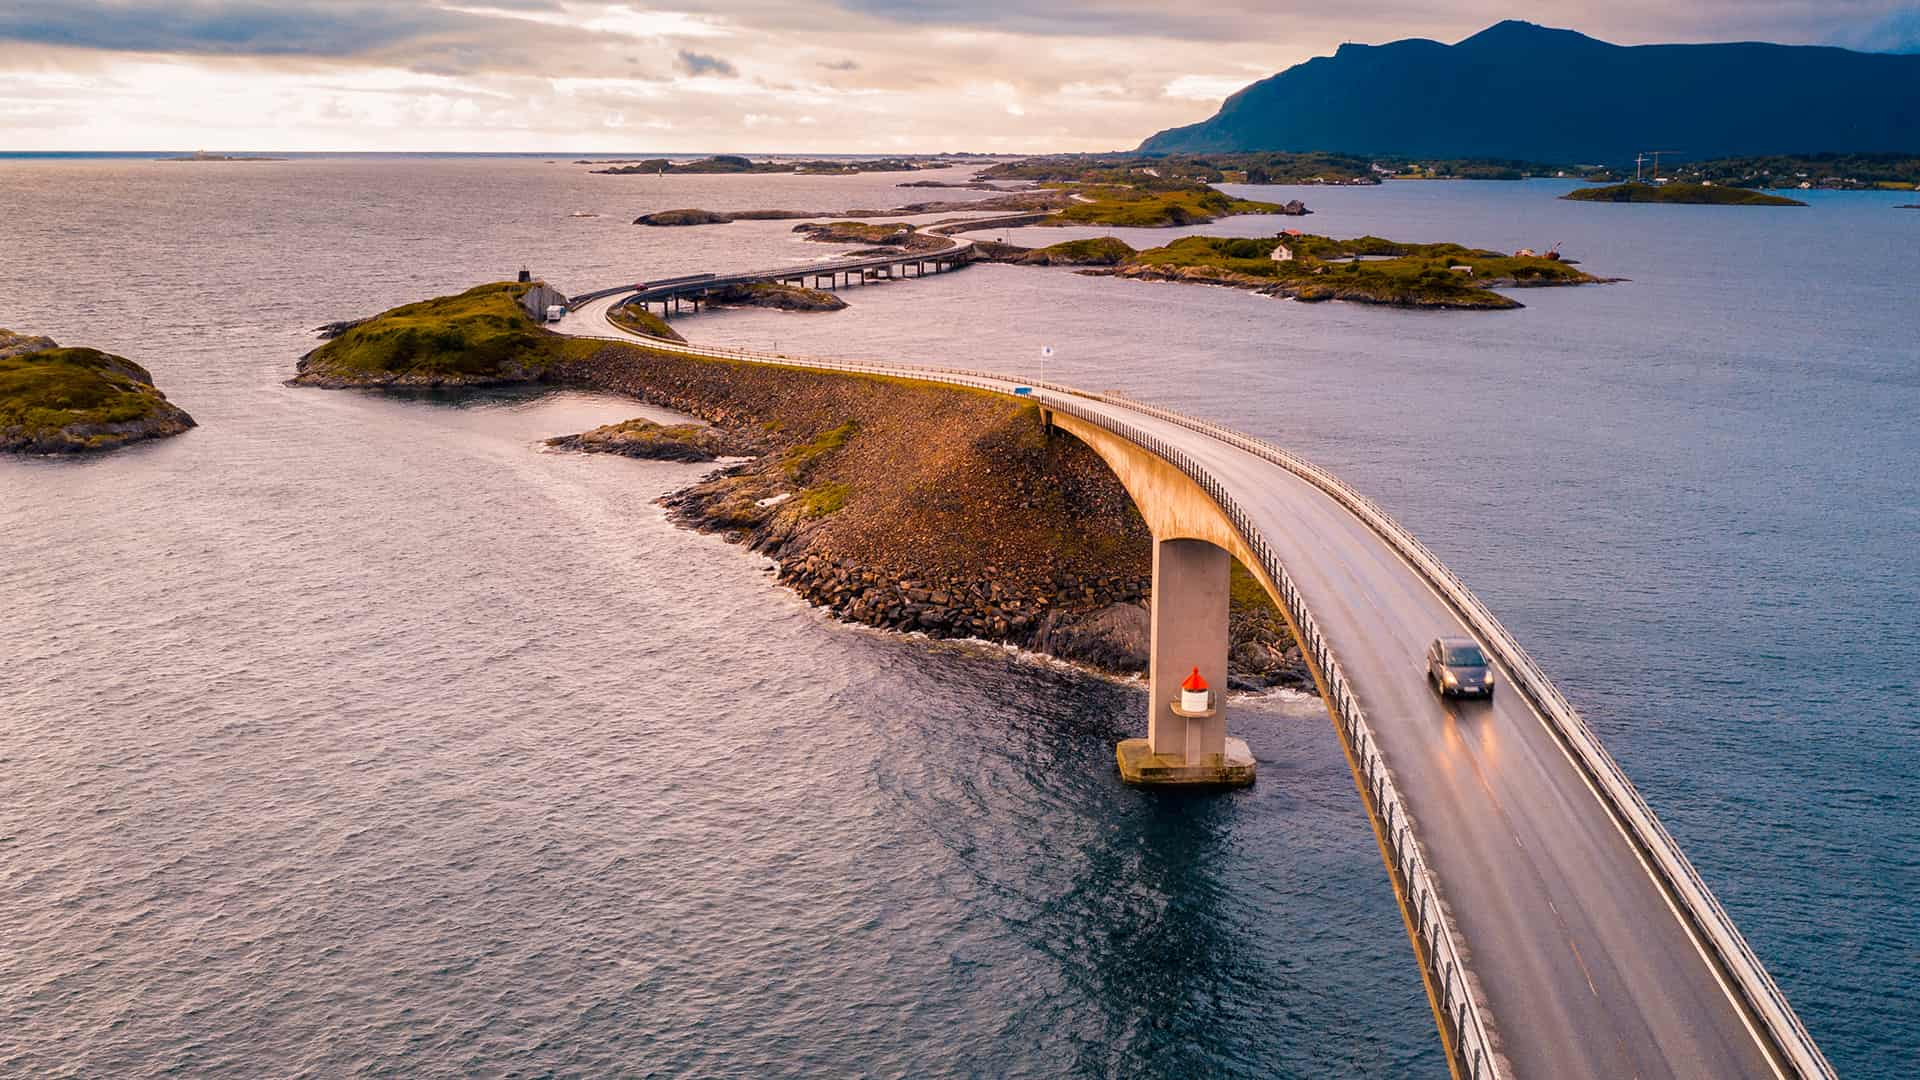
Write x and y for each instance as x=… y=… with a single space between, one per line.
x=749 y=76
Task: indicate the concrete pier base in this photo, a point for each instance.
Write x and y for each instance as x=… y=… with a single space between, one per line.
x=1140 y=765
x=1189 y=628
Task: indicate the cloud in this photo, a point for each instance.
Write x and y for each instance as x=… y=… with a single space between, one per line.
x=228 y=27
x=886 y=75
x=698 y=64
x=1150 y=18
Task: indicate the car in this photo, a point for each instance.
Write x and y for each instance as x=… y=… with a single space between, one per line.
x=1457 y=668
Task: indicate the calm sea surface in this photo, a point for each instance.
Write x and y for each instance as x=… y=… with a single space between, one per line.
x=353 y=734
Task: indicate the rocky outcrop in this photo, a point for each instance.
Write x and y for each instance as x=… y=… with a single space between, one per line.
x=56 y=400
x=895 y=235
x=329 y=331
x=688 y=216
x=1116 y=638
x=12 y=344
x=1192 y=275
x=661 y=442
x=1099 y=251
x=776 y=295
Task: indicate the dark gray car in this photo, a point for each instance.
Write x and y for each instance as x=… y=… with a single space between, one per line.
x=1457 y=668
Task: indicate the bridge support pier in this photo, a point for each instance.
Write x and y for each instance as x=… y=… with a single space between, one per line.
x=1189 y=628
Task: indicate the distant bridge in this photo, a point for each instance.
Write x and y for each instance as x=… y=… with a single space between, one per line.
x=1560 y=930
x=691 y=291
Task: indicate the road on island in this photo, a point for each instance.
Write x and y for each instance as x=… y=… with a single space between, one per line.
x=1584 y=964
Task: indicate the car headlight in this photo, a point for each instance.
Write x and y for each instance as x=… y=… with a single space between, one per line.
x=1451 y=680
x=1489 y=676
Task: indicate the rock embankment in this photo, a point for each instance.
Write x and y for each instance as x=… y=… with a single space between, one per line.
x=919 y=507
x=56 y=400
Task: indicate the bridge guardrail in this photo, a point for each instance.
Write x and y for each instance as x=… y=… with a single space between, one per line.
x=1466 y=1015
x=1763 y=995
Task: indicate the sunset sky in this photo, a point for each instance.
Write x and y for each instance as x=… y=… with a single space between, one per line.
x=753 y=75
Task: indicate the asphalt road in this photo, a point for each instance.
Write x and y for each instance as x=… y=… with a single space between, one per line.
x=1585 y=967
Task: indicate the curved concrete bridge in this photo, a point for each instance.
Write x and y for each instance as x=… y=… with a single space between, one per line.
x=1561 y=933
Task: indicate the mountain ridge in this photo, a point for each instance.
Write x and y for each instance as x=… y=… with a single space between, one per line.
x=1516 y=90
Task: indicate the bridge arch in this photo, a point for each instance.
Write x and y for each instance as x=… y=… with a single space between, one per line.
x=1194 y=546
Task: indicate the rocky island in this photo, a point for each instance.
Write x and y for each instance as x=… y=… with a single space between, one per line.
x=1310 y=268
x=484 y=336
x=695 y=216
x=661 y=442
x=1694 y=194
x=56 y=400
x=894 y=235
x=893 y=502
x=734 y=163
x=202 y=155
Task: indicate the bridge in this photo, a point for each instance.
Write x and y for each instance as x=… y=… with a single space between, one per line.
x=691 y=291
x=1560 y=931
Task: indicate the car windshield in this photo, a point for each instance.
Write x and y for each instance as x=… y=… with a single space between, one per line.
x=1465 y=656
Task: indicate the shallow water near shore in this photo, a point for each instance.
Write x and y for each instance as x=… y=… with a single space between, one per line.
x=360 y=734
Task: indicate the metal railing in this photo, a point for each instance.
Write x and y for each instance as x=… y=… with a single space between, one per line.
x=1683 y=880
x=1470 y=1021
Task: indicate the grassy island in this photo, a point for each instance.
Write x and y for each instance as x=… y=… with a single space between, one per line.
x=1700 y=194
x=893 y=234
x=1367 y=269
x=777 y=295
x=484 y=335
x=658 y=442
x=1097 y=251
x=1150 y=207
x=642 y=321
x=56 y=400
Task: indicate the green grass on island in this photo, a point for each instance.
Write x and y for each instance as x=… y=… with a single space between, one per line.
x=1108 y=204
x=1366 y=269
x=72 y=399
x=1701 y=194
x=480 y=336
x=1095 y=251
x=641 y=321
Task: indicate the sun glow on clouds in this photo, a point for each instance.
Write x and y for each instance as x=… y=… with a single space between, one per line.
x=618 y=19
x=1206 y=87
x=706 y=75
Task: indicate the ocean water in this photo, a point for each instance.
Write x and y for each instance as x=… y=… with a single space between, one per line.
x=356 y=734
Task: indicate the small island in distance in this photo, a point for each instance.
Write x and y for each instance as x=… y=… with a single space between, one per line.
x=733 y=163
x=1700 y=194
x=202 y=155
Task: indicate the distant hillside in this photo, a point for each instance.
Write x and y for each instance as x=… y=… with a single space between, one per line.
x=1516 y=90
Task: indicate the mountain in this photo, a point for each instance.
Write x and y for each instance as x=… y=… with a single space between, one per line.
x=1526 y=92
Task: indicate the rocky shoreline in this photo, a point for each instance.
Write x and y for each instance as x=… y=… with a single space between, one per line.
x=65 y=400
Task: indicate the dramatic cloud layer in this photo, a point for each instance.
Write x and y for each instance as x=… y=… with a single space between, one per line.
x=753 y=75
